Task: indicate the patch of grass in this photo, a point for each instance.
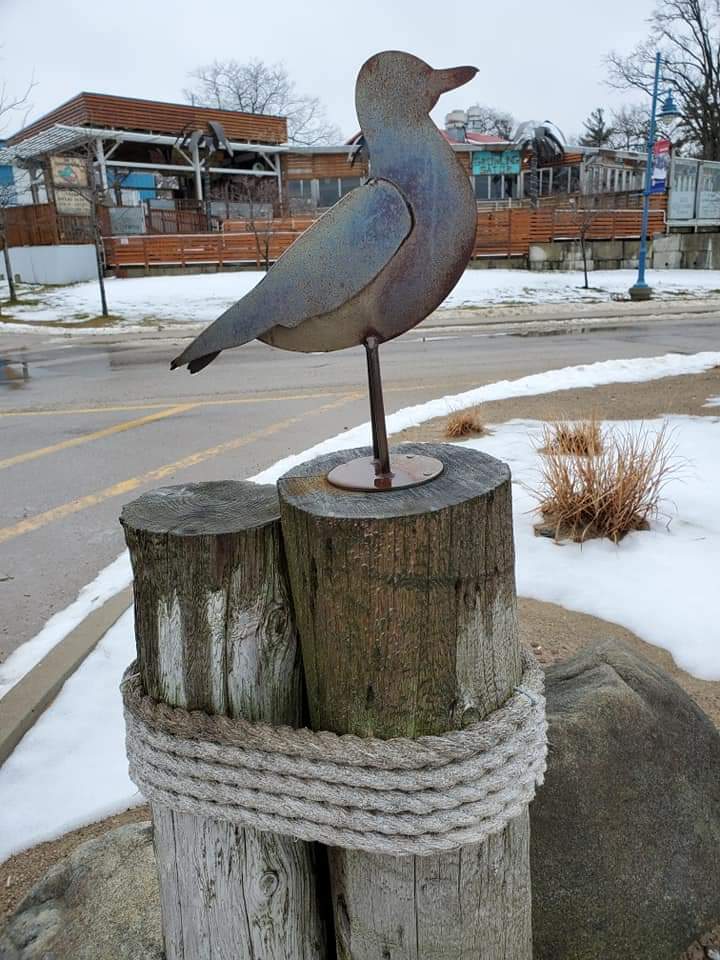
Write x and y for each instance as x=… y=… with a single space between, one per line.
x=90 y=321
x=464 y=423
x=582 y=438
x=609 y=493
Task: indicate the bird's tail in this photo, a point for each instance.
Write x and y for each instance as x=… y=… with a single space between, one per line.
x=194 y=366
x=241 y=323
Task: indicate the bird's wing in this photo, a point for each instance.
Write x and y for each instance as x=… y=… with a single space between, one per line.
x=325 y=267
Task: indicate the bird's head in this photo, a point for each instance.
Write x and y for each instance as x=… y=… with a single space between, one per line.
x=397 y=84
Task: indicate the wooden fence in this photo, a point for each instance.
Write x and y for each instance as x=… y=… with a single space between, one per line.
x=501 y=233
x=41 y=225
x=220 y=249
x=509 y=233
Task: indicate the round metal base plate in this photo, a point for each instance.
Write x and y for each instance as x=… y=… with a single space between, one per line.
x=406 y=470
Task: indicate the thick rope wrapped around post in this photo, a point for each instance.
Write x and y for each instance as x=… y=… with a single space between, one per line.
x=400 y=796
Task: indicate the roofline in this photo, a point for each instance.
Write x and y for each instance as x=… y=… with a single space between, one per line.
x=468 y=147
x=44 y=115
x=167 y=103
x=174 y=103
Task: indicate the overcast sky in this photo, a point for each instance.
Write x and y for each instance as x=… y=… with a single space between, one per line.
x=539 y=59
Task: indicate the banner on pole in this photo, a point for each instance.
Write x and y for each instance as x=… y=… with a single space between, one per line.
x=661 y=163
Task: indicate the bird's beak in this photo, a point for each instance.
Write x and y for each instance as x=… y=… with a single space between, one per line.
x=444 y=80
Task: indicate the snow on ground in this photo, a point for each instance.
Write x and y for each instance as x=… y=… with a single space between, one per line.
x=144 y=303
x=70 y=769
x=114 y=578
x=481 y=287
x=661 y=584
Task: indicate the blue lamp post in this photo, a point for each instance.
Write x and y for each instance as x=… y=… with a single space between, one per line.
x=640 y=290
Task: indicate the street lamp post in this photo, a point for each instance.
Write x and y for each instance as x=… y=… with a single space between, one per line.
x=640 y=290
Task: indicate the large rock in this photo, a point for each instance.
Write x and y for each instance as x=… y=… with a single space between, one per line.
x=625 y=834
x=100 y=903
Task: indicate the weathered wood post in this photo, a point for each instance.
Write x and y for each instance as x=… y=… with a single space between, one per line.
x=215 y=632
x=406 y=607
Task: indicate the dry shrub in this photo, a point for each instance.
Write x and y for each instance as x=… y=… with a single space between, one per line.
x=581 y=439
x=608 y=493
x=464 y=423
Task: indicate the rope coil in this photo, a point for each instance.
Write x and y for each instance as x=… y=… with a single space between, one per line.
x=401 y=796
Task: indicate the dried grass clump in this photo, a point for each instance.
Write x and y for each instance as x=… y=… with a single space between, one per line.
x=609 y=493
x=580 y=439
x=464 y=423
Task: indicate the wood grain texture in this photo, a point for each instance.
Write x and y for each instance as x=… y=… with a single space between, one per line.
x=215 y=631
x=406 y=607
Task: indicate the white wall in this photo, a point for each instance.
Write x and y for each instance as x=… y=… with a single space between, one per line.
x=65 y=263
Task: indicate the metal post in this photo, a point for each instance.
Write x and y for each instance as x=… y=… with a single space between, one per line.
x=640 y=290
x=100 y=154
x=198 y=173
x=377 y=409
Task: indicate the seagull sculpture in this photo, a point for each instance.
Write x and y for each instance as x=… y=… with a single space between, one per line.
x=378 y=262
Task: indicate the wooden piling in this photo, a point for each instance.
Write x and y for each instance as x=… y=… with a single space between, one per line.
x=215 y=632
x=406 y=607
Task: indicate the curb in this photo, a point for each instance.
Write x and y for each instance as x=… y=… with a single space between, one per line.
x=25 y=702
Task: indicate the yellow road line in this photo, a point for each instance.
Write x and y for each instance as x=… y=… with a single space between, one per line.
x=96 y=435
x=132 y=483
x=262 y=398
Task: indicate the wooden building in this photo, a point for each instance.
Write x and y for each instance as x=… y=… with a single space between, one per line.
x=126 y=137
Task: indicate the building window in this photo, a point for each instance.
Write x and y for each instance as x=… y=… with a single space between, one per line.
x=329 y=191
x=482 y=187
x=349 y=183
x=496 y=187
x=299 y=189
x=545 y=179
x=560 y=180
x=574 y=178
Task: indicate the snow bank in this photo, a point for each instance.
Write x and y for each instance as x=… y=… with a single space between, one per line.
x=635 y=370
x=70 y=768
x=108 y=582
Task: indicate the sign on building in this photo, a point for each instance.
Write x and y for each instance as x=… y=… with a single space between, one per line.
x=68 y=171
x=708 y=202
x=69 y=177
x=683 y=185
x=496 y=161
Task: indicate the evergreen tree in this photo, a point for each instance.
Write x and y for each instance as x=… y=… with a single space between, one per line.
x=597 y=132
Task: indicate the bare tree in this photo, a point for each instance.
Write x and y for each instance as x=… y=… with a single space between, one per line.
x=482 y=119
x=630 y=127
x=10 y=106
x=687 y=33
x=585 y=214
x=97 y=198
x=258 y=87
x=259 y=195
x=7 y=199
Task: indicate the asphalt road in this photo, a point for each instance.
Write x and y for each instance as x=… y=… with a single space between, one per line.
x=87 y=424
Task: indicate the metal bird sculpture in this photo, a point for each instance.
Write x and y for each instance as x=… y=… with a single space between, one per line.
x=378 y=262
